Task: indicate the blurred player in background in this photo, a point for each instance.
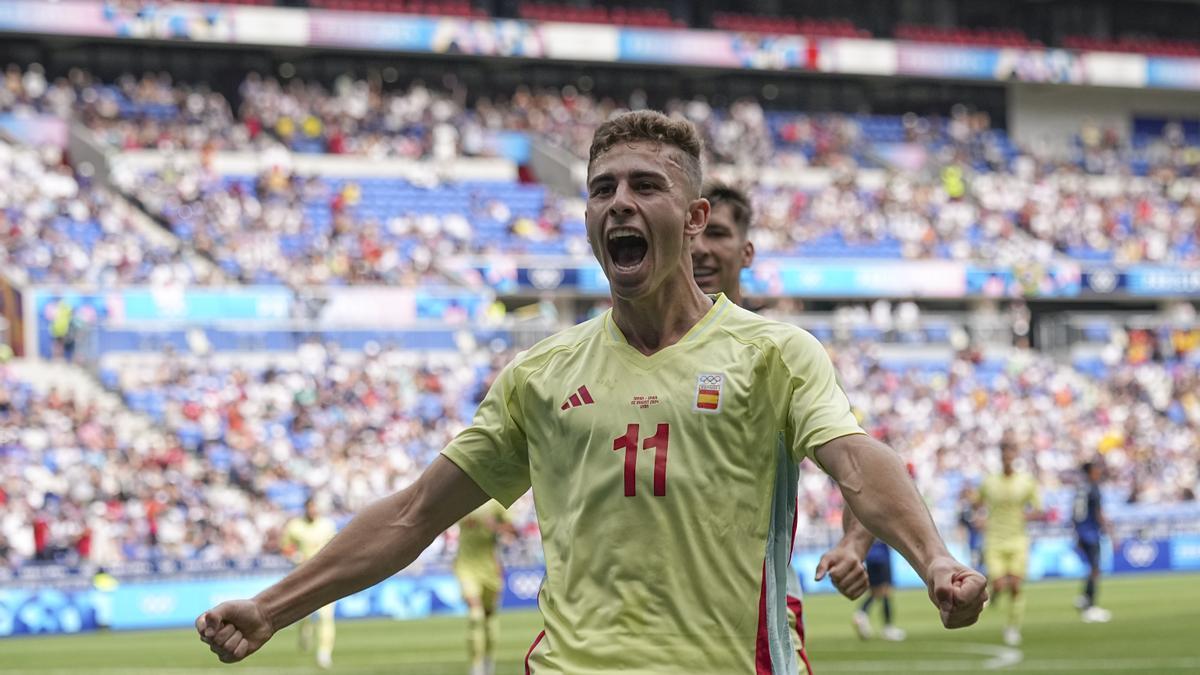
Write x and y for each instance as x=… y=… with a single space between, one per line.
x=879 y=571
x=680 y=566
x=1011 y=498
x=968 y=517
x=1090 y=523
x=302 y=538
x=719 y=254
x=477 y=567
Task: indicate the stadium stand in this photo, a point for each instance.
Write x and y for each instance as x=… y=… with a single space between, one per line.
x=620 y=16
x=279 y=227
x=57 y=227
x=965 y=36
x=1134 y=45
x=236 y=448
x=786 y=25
x=255 y=433
x=976 y=193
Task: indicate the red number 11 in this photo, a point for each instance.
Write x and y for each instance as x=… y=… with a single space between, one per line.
x=658 y=442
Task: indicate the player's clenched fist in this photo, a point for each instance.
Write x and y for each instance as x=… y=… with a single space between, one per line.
x=234 y=630
x=957 y=590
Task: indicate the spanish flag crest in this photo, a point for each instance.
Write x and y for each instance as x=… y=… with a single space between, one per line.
x=708 y=392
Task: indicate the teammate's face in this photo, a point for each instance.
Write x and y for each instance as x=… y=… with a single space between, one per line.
x=720 y=253
x=310 y=510
x=641 y=215
x=1008 y=455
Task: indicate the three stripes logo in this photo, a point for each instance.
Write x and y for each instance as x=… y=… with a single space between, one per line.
x=708 y=392
x=580 y=397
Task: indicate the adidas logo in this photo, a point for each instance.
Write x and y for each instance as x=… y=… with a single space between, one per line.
x=580 y=397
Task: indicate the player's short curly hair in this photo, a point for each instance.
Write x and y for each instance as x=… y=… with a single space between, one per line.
x=653 y=126
x=717 y=192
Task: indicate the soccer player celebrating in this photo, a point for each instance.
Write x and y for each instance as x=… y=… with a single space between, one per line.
x=661 y=440
x=1007 y=496
x=719 y=254
x=302 y=538
x=478 y=570
x=1089 y=524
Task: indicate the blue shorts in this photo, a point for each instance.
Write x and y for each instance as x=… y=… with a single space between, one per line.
x=1089 y=550
x=879 y=571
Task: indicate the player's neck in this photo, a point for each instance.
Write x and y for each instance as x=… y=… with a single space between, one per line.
x=661 y=319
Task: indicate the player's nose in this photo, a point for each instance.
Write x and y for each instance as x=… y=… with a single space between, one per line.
x=622 y=202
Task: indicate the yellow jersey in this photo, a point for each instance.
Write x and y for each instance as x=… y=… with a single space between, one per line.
x=665 y=488
x=1006 y=498
x=308 y=536
x=477 y=537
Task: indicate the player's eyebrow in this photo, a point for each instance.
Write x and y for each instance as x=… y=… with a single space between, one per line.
x=650 y=174
x=636 y=174
x=606 y=177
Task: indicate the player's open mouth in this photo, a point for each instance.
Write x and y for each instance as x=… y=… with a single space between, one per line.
x=703 y=272
x=626 y=247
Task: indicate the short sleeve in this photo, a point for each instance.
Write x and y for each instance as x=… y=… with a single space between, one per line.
x=818 y=409
x=493 y=451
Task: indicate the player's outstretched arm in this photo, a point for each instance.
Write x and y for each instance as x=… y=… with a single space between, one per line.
x=381 y=540
x=844 y=562
x=879 y=491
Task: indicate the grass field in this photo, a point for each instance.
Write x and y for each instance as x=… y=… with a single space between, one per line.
x=1155 y=629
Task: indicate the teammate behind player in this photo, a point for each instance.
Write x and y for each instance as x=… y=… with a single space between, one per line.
x=719 y=254
x=1011 y=498
x=1089 y=524
x=677 y=562
x=481 y=577
x=302 y=538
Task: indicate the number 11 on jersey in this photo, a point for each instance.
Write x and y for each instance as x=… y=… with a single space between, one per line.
x=658 y=442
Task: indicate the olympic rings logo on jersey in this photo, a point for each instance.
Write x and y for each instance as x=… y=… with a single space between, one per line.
x=708 y=392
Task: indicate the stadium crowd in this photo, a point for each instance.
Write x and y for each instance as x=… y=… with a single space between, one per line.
x=232 y=454
x=906 y=187
x=1142 y=416
x=280 y=226
x=239 y=445
x=57 y=226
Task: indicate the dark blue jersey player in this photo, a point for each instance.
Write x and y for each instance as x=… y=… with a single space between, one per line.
x=1089 y=525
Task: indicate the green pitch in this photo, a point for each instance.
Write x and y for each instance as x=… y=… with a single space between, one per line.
x=1155 y=629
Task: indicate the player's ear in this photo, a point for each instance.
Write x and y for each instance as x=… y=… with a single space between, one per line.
x=697 y=219
x=748 y=254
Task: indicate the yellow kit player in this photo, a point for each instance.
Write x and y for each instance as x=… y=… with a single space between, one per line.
x=661 y=440
x=302 y=538
x=1011 y=498
x=478 y=569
